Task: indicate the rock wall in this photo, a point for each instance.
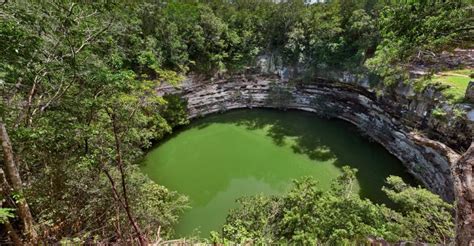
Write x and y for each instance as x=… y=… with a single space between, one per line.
x=450 y=124
x=426 y=159
x=426 y=108
x=463 y=172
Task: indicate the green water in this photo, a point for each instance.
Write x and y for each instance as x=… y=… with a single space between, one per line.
x=222 y=157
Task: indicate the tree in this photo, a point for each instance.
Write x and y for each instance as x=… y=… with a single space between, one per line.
x=414 y=30
x=426 y=217
x=78 y=109
x=307 y=215
x=13 y=175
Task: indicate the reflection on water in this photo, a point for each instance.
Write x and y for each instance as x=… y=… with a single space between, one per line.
x=245 y=152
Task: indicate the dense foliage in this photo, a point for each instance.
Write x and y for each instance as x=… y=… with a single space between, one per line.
x=79 y=103
x=79 y=106
x=416 y=31
x=308 y=216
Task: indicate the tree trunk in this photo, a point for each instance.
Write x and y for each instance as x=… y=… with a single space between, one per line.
x=13 y=176
x=12 y=234
x=5 y=192
x=130 y=218
x=125 y=204
x=464 y=190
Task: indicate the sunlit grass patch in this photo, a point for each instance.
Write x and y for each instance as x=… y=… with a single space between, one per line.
x=456 y=81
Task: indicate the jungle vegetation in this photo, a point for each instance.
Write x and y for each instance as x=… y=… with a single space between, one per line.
x=79 y=107
x=307 y=215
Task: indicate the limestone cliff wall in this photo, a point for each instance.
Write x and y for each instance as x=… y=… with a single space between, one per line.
x=463 y=172
x=453 y=127
x=426 y=109
x=427 y=159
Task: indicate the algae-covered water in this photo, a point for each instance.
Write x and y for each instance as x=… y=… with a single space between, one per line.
x=222 y=157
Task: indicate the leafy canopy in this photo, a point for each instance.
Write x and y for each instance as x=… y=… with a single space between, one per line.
x=307 y=215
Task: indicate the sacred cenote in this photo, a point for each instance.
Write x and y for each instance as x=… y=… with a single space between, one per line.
x=222 y=157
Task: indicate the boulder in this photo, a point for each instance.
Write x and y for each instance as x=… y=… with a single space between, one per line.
x=470 y=92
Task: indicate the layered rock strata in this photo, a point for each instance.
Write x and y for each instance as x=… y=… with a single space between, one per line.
x=426 y=159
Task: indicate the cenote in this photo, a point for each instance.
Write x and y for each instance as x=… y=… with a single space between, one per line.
x=222 y=157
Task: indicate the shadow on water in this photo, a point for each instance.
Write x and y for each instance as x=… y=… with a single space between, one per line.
x=221 y=157
x=322 y=140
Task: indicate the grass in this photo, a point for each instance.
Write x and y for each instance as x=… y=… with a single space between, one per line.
x=456 y=80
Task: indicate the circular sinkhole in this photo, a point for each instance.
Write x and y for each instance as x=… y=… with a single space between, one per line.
x=222 y=157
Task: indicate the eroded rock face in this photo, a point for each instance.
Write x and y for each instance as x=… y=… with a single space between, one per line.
x=470 y=92
x=432 y=156
x=463 y=172
x=386 y=121
x=444 y=60
x=416 y=110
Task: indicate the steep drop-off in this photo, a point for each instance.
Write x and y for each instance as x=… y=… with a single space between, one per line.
x=397 y=121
